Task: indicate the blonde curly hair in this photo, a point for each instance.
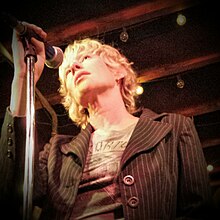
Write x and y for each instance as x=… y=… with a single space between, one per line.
x=113 y=59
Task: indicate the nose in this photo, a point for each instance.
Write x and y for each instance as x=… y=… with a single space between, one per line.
x=76 y=66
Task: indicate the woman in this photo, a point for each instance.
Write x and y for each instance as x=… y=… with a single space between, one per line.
x=126 y=163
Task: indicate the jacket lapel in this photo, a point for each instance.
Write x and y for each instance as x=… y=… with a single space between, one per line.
x=147 y=133
x=79 y=146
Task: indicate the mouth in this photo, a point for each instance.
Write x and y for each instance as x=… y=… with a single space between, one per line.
x=80 y=76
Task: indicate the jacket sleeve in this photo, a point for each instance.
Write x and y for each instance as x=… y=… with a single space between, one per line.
x=12 y=164
x=194 y=186
x=12 y=143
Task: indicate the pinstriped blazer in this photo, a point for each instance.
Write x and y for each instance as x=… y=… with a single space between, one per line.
x=163 y=158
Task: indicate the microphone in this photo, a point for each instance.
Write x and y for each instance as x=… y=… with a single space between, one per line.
x=54 y=55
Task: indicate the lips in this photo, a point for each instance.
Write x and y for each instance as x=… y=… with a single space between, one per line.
x=79 y=76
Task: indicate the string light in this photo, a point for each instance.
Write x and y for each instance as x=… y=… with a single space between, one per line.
x=210 y=168
x=180 y=83
x=124 y=35
x=181 y=19
x=139 y=90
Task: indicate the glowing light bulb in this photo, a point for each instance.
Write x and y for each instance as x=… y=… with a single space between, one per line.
x=139 y=90
x=181 y=19
x=210 y=168
x=180 y=84
x=124 y=35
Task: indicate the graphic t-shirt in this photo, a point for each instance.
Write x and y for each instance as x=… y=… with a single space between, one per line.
x=98 y=195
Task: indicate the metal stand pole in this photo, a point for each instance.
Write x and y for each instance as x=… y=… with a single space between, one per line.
x=30 y=58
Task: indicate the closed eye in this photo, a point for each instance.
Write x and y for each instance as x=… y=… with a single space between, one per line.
x=86 y=57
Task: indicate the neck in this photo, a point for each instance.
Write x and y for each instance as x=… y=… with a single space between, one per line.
x=109 y=113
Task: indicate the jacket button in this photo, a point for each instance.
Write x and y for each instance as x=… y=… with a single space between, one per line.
x=133 y=202
x=9 y=154
x=10 y=128
x=128 y=180
x=10 y=141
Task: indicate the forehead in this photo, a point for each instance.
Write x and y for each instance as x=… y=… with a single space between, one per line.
x=76 y=51
x=80 y=50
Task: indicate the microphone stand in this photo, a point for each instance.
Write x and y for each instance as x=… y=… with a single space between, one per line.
x=30 y=59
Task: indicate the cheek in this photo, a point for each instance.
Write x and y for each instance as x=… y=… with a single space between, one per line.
x=70 y=85
x=106 y=73
x=98 y=67
x=74 y=94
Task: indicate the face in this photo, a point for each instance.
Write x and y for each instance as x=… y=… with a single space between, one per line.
x=88 y=77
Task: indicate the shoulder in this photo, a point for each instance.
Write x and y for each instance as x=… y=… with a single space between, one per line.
x=169 y=116
x=178 y=121
x=59 y=139
x=56 y=142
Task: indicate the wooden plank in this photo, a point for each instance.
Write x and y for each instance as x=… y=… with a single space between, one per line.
x=202 y=108
x=211 y=142
x=173 y=69
x=65 y=33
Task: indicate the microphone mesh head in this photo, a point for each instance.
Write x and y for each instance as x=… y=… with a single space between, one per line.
x=57 y=59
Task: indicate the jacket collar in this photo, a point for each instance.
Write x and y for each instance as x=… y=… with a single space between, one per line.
x=79 y=145
x=149 y=131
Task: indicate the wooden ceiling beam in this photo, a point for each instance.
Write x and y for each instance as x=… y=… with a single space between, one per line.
x=65 y=33
x=177 y=68
x=202 y=108
x=210 y=142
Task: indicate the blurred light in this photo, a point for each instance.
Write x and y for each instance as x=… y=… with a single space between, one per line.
x=124 y=35
x=139 y=90
x=210 y=168
x=181 y=19
x=180 y=83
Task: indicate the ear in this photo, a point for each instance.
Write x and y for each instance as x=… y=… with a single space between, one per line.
x=119 y=74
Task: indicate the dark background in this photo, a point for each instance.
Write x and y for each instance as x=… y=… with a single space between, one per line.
x=162 y=51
